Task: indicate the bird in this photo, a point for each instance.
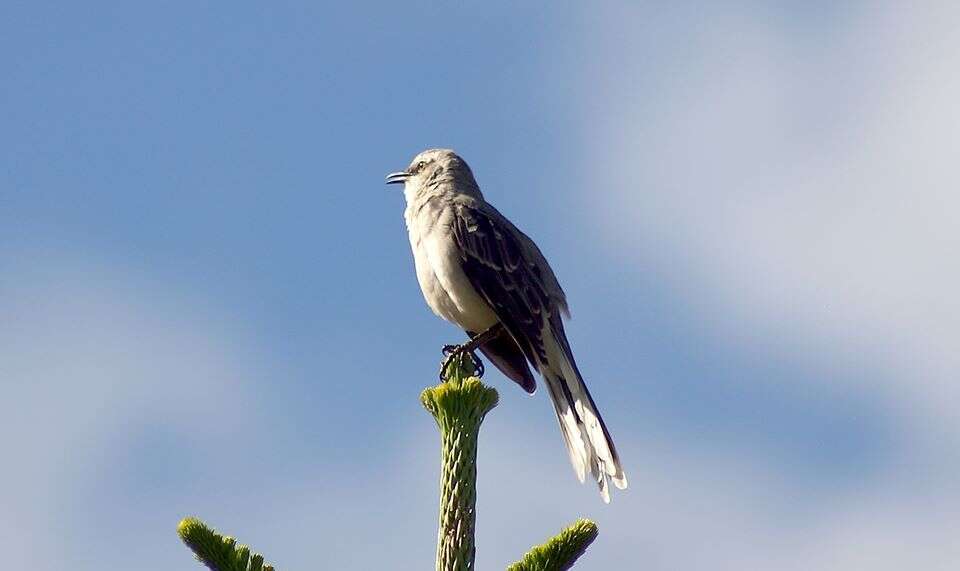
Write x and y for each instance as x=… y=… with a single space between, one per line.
x=477 y=270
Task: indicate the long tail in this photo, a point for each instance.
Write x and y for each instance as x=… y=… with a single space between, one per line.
x=588 y=441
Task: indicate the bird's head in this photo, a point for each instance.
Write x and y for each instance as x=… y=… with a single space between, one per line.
x=431 y=169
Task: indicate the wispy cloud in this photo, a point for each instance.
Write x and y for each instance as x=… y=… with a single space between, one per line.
x=801 y=178
x=798 y=179
x=97 y=364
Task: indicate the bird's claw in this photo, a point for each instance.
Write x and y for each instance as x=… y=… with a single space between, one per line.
x=451 y=352
x=477 y=365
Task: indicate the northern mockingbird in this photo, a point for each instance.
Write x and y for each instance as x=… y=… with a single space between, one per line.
x=478 y=271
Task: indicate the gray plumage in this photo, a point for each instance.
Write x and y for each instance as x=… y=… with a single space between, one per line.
x=476 y=269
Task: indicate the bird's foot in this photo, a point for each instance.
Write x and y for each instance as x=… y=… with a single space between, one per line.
x=452 y=352
x=449 y=350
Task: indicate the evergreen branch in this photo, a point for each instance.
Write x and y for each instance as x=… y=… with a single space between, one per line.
x=217 y=552
x=560 y=552
x=459 y=406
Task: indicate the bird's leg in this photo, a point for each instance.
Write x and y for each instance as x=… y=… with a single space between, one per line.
x=451 y=352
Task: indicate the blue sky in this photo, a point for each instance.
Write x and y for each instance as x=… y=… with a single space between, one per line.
x=209 y=307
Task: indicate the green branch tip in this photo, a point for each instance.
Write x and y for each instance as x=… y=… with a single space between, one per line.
x=454 y=399
x=459 y=406
x=218 y=552
x=560 y=552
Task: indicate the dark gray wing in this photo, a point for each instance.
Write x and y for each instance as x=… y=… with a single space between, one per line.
x=510 y=274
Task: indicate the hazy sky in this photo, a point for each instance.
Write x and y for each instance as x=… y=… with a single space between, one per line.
x=208 y=304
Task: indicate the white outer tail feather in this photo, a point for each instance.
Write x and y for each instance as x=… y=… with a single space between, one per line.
x=583 y=431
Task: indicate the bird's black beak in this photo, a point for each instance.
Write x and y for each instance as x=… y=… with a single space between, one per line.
x=397 y=177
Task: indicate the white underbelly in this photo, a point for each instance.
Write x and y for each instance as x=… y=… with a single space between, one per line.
x=445 y=287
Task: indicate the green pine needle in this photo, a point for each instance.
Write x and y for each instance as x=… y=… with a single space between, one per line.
x=217 y=552
x=560 y=552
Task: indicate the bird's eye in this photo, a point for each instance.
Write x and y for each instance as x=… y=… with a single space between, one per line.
x=420 y=166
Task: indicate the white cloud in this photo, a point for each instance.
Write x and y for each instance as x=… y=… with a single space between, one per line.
x=690 y=507
x=91 y=357
x=803 y=180
x=798 y=180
